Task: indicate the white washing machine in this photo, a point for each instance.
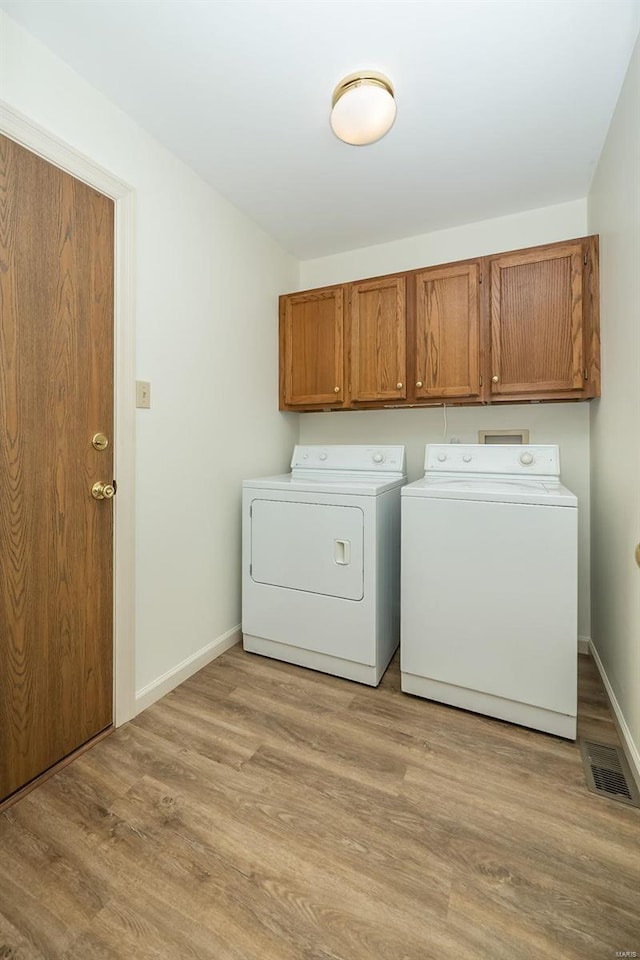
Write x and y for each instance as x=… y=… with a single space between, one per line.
x=321 y=560
x=489 y=584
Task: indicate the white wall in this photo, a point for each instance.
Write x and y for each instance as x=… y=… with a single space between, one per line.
x=207 y=286
x=528 y=229
x=614 y=212
x=564 y=423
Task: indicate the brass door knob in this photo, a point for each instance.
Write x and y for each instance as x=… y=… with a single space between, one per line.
x=398 y=386
x=418 y=383
x=495 y=379
x=638 y=554
x=99 y=441
x=336 y=389
x=102 y=490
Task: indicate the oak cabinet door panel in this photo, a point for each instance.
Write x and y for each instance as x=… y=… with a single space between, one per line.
x=447 y=332
x=311 y=348
x=378 y=339
x=537 y=321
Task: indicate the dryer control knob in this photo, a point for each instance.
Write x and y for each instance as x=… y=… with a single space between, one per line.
x=467 y=458
x=526 y=459
x=323 y=456
x=378 y=458
x=442 y=457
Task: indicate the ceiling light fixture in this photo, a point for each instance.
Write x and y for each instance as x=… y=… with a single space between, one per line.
x=363 y=108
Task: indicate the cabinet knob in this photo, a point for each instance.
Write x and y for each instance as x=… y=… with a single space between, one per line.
x=336 y=389
x=418 y=383
x=398 y=386
x=495 y=379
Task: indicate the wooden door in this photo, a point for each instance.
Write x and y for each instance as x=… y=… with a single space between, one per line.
x=447 y=332
x=311 y=348
x=56 y=392
x=377 y=313
x=537 y=322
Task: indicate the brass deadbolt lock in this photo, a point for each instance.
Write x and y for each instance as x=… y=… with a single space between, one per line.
x=103 y=491
x=99 y=441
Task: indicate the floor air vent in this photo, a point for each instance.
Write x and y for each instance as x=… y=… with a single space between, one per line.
x=608 y=773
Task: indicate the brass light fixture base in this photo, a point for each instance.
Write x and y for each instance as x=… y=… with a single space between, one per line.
x=356 y=79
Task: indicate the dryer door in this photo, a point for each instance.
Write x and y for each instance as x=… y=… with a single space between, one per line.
x=314 y=547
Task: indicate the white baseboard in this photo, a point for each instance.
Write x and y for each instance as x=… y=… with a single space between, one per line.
x=172 y=678
x=584 y=645
x=631 y=750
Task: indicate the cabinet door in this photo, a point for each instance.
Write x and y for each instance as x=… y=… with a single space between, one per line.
x=447 y=332
x=311 y=348
x=378 y=339
x=537 y=331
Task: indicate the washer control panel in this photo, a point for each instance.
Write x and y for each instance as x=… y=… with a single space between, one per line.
x=480 y=458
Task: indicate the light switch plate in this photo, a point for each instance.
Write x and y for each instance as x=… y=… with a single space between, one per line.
x=143 y=394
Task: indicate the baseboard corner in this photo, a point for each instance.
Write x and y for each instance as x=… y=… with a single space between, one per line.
x=584 y=645
x=173 y=678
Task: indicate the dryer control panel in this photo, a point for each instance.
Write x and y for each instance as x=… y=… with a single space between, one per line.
x=538 y=460
x=351 y=458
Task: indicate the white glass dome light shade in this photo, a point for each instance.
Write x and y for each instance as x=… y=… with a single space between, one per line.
x=363 y=108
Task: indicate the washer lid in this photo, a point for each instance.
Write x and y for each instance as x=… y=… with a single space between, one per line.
x=492 y=490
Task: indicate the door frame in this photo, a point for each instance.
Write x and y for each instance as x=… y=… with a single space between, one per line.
x=20 y=128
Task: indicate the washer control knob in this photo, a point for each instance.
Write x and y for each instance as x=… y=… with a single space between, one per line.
x=442 y=457
x=526 y=459
x=323 y=456
x=378 y=458
x=467 y=458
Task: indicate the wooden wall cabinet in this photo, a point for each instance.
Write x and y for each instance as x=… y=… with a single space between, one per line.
x=312 y=371
x=544 y=337
x=447 y=332
x=513 y=327
x=377 y=338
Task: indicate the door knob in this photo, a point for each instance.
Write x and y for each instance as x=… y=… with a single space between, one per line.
x=102 y=490
x=398 y=386
x=495 y=379
x=99 y=441
x=418 y=383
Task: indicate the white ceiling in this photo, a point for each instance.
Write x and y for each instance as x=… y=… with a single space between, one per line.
x=503 y=105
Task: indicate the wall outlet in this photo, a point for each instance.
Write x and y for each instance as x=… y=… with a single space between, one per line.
x=143 y=394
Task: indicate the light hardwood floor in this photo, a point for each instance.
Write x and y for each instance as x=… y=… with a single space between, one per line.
x=266 y=812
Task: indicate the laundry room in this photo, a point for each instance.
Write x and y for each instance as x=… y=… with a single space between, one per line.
x=320 y=534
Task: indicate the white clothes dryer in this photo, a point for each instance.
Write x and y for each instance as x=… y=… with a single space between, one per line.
x=321 y=560
x=489 y=584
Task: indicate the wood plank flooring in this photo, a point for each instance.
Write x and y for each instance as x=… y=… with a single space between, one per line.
x=266 y=812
